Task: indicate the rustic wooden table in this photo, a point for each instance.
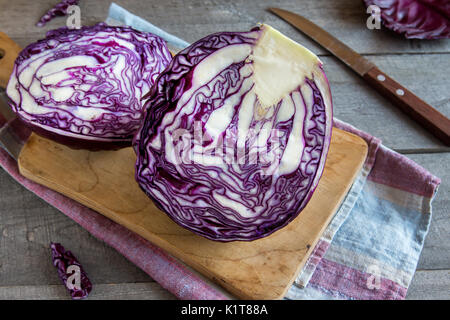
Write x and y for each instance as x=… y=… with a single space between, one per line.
x=28 y=224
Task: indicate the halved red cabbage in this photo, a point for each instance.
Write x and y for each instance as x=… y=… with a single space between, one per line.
x=236 y=134
x=416 y=19
x=84 y=87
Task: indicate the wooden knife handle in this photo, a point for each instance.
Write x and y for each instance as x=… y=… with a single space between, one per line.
x=9 y=50
x=434 y=121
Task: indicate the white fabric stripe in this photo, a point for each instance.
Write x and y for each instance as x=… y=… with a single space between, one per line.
x=339 y=218
x=310 y=293
x=361 y=262
x=399 y=197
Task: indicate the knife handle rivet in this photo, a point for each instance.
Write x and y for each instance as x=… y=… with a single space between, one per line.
x=381 y=77
x=400 y=92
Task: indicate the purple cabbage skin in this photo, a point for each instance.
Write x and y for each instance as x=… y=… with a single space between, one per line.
x=187 y=192
x=60 y=9
x=62 y=259
x=84 y=87
x=415 y=19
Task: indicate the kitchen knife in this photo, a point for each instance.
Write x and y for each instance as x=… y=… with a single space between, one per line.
x=434 y=121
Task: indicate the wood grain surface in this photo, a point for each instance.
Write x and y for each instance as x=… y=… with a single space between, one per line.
x=260 y=269
x=28 y=224
x=9 y=50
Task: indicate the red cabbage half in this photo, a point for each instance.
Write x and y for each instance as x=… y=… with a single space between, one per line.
x=416 y=19
x=84 y=87
x=236 y=134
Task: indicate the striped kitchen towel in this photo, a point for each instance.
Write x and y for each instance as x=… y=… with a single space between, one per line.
x=369 y=251
x=371 y=248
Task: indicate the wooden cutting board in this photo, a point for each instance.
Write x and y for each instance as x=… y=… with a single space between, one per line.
x=261 y=269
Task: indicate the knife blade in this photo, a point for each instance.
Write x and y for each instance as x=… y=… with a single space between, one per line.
x=431 y=119
x=9 y=138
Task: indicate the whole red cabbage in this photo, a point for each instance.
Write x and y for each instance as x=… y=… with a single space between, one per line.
x=235 y=134
x=84 y=87
x=416 y=19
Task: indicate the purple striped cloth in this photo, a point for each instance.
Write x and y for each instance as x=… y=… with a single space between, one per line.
x=370 y=249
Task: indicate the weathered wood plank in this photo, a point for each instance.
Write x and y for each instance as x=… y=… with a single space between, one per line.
x=28 y=225
x=346 y=19
x=430 y=285
x=120 y=291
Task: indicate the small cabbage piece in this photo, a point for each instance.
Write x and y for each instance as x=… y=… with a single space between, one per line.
x=60 y=9
x=68 y=269
x=416 y=19
x=236 y=134
x=84 y=87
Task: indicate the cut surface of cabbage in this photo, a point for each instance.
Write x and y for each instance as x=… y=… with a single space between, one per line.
x=87 y=84
x=236 y=134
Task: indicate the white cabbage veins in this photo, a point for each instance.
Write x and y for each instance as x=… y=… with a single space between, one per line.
x=220 y=198
x=87 y=83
